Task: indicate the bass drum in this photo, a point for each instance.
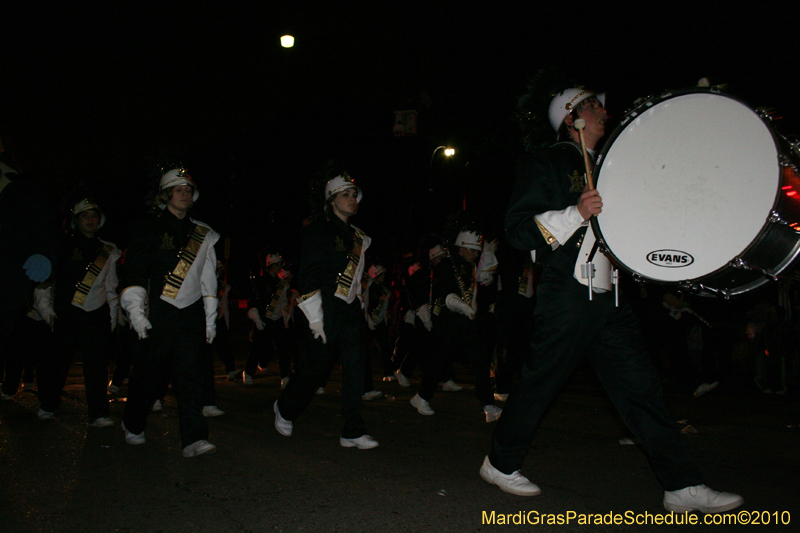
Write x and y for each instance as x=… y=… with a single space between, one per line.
x=698 y=192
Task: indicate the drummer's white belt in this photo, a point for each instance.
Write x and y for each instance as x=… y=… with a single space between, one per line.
x=599 y=272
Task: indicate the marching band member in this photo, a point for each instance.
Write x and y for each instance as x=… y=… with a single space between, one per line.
x=457 y=280
x=376 y=306
x=267 y=309
x=174 y=314
x=549 y=212
x=331 y=268
x=81 y=307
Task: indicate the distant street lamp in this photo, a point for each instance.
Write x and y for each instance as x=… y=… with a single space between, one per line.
x=449 y=152
x=287 y=41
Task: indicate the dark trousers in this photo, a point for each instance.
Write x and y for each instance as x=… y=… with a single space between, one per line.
x=412 y=347
x=269 y=343
x=380 y=335
x=173 y=351
x=222 y=343
x=344 y=330
x=89 y=333
x=455 y=335
x=28 y=341
x=569 y=327
x=514 y=316
x=125 y=342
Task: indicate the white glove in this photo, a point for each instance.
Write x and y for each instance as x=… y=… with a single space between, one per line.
x=424 y=314
x=133 y=301
x=370 y=323
x=211 y=304
x=490 y=247
x=255 y=316
x=43 y=305
x=140 y=323
x=457 y=305
x=318 y=330
x=49 y=316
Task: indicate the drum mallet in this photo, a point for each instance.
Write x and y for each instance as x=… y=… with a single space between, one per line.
x=579 y=125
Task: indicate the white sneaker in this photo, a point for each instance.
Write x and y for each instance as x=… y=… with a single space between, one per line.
x=284 y=382
x=102 y=422
x=422 y=406
x=44 y=415
x=371 y=395
x=212 y=410
x=514 y=483
x=234 y=375
x=157 y=406
x=700 y=498
x=492 y=413
x=113 y=389
x=364 y=442
x=133 y=438
x=704 y=388
x=451 y=386
x=401 y=379
x=283 y=426
x=320 y=390
x=247 y=379
x=500 y=396
x=201 y=447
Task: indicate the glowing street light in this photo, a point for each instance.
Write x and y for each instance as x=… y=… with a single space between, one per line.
x=449 y=152
x=287 y=41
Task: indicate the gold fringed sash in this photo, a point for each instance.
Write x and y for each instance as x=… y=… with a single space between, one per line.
x=276 y=298
x=187 y=254
x=376 y=313
x=345 y=279
x=526 y=278
x=92 y=271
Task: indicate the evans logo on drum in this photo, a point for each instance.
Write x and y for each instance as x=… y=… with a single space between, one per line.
x=670 y=258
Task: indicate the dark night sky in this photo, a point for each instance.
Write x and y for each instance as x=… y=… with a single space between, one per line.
x=95 y=94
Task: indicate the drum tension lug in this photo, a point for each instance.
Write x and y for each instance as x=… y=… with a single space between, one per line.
x=775 y=218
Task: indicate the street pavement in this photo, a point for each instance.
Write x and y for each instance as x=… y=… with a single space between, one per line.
x=63 y=476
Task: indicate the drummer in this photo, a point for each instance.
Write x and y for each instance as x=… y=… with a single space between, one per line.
x=549 y=212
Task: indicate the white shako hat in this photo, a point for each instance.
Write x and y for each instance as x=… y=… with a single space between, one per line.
x=87 y=204
x=175 y=177
x=436 y=251
x=565 y=102
x=340 y=183
x=271 y=259
x=470 y=239
x=376 y=270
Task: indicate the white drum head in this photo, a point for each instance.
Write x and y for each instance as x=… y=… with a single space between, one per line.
x=687 y=186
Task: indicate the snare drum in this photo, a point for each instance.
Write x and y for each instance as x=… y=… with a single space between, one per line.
x=698 y=192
